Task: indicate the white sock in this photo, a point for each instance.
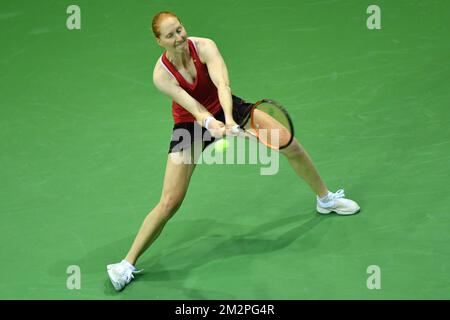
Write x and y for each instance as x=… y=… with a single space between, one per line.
x=128 y=265
x=325 y=199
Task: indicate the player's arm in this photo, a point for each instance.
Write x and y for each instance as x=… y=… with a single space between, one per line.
x=219 y=75
x=172 y=89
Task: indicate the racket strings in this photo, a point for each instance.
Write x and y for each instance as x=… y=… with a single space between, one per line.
x=272 y=125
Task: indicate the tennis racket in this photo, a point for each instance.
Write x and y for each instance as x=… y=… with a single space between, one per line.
x=269 y=123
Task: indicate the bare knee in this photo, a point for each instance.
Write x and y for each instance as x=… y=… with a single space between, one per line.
x=293 y=150
x=168 y=205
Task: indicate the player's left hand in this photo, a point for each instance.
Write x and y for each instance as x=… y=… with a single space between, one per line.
x=231 y=128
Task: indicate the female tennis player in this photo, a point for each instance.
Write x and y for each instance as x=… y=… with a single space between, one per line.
x=194 y=75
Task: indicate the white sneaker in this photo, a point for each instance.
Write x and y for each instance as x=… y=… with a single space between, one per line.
x=336 y=202
x=121 y=274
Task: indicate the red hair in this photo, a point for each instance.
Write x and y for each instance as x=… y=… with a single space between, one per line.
x=158 y=18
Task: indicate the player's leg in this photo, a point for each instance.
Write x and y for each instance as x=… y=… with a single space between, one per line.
x=296 y=154
x=302 y=164
x=176 y=182
x=179 y=168
x=327 y=201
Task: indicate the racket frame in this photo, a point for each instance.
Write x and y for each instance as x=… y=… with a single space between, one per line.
x=283 y=110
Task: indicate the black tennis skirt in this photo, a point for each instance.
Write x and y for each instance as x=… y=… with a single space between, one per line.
x=185 y=133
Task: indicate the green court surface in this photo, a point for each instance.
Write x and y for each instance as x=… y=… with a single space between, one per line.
x=84 y=137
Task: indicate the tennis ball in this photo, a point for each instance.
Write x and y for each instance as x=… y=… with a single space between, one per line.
x=221 y=145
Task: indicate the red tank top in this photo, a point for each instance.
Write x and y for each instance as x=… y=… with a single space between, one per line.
x=203 y=89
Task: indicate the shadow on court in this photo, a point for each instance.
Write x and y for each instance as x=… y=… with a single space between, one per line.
x=258 y=240
x=197 y=242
